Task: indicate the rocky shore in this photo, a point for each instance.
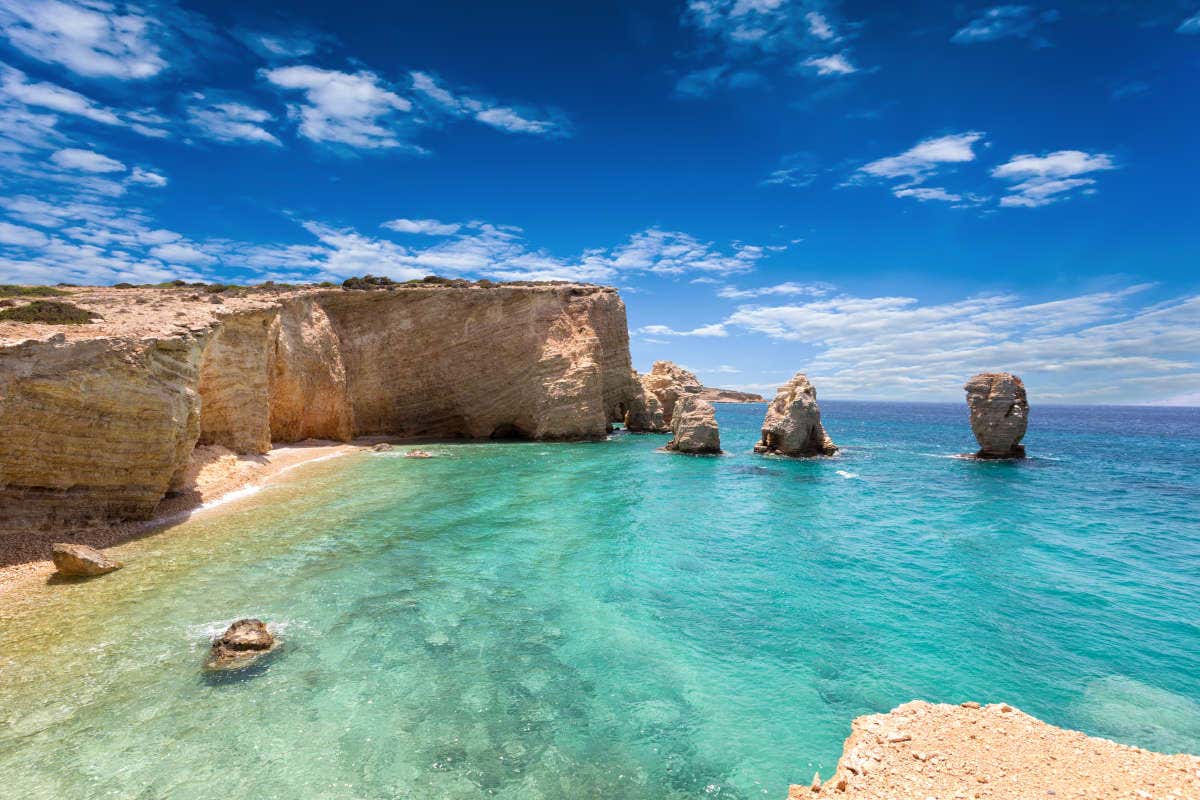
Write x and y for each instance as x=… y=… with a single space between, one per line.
x=920 y=751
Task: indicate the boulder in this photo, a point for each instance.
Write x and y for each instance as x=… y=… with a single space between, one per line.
x=694 y=427
x=999 y=414
x=382 y=447
x=792 y=426
x=242 y=643
x=81 y=561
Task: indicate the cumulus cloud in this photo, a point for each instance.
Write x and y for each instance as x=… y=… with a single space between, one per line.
x=354 y=109
x=230 y=121
x=15 y=85
x=1008 y=21
x=917 y=164
x=1102 y=345
x=487 y=112
x=90 y=37
x=787 y=288
x=86 y=161
x=429 y=227
x=833 y=64
x=1041 y=180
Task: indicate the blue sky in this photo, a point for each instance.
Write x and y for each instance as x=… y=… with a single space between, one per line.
x=889 y=198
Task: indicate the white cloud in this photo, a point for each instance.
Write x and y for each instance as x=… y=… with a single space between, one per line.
x=1101 y=346
x=1190 y=25
x=788 y=288
x=926 y=193
x=429 y=227
x=22 y=236
x=230 y=121
x=276 y=46
x=921 y=160
x=999 y=22
x=89 y=37
x=148 y=177
x=1041 y=180
x=833 y=64
x=16 y=85
x=716 y=330
x=497 y=116
x=86 y=161
x=182 y=254
x=818 y=26
x=357 y=109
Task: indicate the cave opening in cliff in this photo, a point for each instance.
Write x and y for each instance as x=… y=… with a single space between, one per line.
x=510 y=431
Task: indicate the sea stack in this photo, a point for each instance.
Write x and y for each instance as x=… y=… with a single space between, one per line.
x=644 y=413
x=669 y=382
x=793 y=426
x=999 y=414
x=694 y=426
x=242 y=643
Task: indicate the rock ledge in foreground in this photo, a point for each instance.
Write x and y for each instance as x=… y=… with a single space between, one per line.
x=921 y=750
x=81 y=561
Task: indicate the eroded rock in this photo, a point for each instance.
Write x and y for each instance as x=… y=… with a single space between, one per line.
x=694 y=427
x=792 y=426
x=999 y=414
x=81 y=561
x=242 y=643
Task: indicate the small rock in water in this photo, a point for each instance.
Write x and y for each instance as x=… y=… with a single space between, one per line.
x=381 y=447
x=79 y=560
x=418 y=454
x=241 y=644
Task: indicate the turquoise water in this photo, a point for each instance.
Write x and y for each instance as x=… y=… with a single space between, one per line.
x=526 y=620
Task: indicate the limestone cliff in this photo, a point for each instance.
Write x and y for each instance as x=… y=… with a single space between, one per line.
x=668 y=382
x=97 y=422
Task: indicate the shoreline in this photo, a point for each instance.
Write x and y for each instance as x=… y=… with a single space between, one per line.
x=216 y=477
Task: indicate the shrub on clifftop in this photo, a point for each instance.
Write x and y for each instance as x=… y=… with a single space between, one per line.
x=50 y=312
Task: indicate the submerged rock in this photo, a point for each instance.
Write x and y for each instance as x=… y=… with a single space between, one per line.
x=792 y=426
x=242 y=643
x=999 y=414
x=418 y=454
x=695 y=427
x=81 y=561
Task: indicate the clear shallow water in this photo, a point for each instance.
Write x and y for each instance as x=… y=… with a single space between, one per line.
x=602 y=620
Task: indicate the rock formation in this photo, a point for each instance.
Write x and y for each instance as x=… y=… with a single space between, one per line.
x=920 y=750
x=999 y=414
x=98 y=421
x=242 y=643
x=81 y=561
x=694 y=427
x=792 y=426
x=668 y=382
x=644 y=414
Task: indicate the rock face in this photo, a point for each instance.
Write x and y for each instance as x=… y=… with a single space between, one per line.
x=81 y=561
x=999 y=414
x=97 y=423
x=920 y=750
x=242 y=643
x=668 y=382
x=793 y=426
x=694 y=427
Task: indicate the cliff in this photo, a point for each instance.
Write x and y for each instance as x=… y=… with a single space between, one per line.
x=920 y=750
x=668 y=382
x=98 y=421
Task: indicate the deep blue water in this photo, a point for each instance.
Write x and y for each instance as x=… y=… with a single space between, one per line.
x=527 y=620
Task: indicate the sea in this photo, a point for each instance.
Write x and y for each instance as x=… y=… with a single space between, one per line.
x=607 y=620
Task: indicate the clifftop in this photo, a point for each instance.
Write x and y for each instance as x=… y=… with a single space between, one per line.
x=160 y=311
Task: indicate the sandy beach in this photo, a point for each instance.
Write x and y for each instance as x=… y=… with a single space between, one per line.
x=215 y=476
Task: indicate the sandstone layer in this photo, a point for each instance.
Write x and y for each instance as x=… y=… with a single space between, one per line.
x=694 y=427
x=999 y=414
x=792 y=426
x=920 y=751
x=98 y=421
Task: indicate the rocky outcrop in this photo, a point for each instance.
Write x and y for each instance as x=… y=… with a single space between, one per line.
x=920 y=750
x=242 y=643
x=644 y=414
x=97 y=423
x=81 y=561
x=668 y=382
x=999 y=414
x=694 y=428
x=792 y=426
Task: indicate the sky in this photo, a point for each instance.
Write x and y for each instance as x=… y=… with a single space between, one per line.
x=887 y=196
